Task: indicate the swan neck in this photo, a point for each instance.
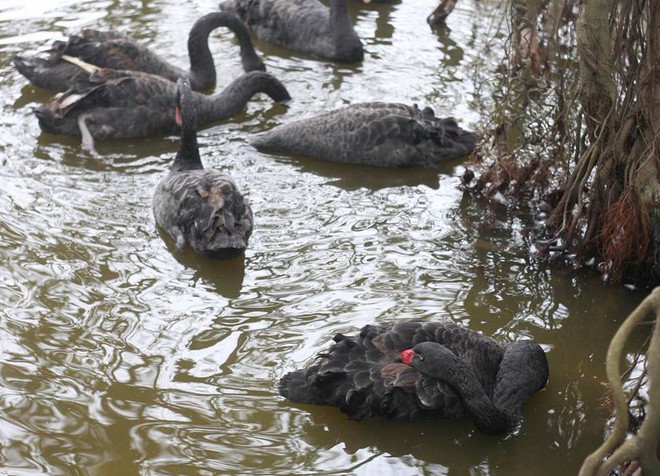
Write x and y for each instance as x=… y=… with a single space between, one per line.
x=187 y=157
x=202 y=67
x=229 y=102
x=488 y=417
x=249 y=58
x=235 y=96
x=338 y=10
x=522 y=372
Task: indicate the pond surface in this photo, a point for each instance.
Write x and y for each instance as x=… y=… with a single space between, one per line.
x=120 y=357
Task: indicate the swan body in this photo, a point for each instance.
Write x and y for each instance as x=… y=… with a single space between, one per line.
x=418 y=370
x=111 y=104
x=375 y=133
x=307 y=26
x=200 y=207
x=116 y=51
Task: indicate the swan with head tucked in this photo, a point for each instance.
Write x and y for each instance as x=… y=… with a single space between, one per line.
x=200 y=207
x=417 y=370
x=116 y=51
x=307 y=26
x=375 y=133
x=113 y=104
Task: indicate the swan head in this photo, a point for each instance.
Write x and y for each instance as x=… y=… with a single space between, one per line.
x=184 y=111
x=432 y=359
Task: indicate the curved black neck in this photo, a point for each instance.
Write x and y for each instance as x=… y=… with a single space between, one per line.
x=233 y=99
x=522 y=372
x=249 y=58
x=202 y=67
x=488 y=417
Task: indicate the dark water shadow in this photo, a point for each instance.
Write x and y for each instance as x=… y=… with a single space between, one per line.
x=356 y=176
x=121 y=155
x=30 y=94
x=225 y=276
x=455 y=444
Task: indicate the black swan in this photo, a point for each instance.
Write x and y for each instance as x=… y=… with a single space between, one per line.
x=110 y=104
x=416 y=370
x=302 y=25
x=113 y=50
x=384 y=134
x=198 y=207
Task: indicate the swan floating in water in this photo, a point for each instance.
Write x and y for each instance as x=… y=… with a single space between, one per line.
x=113 y=104
x=114 y=50
x=200 y=207
x=420 y=370
x=375 y=133
x=307 y=26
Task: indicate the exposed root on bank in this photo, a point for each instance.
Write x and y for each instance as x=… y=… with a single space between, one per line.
x=583 y=147
x=625 y=233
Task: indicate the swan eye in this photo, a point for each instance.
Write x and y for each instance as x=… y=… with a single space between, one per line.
x=420 y=356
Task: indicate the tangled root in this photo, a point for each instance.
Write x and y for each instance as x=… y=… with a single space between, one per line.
x=625 y=235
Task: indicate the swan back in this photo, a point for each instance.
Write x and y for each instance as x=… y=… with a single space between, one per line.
x=376 y=133
x=307 y=26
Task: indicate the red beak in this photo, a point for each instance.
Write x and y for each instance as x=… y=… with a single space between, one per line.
x=177 y=116
x=407 y=356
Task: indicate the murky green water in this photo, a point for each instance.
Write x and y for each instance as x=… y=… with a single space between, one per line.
x=118 y=357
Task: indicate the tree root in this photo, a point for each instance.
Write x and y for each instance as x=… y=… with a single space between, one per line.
x=642 y=447
x=601 y=160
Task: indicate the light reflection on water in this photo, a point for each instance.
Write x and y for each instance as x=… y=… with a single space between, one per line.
x=119 y=356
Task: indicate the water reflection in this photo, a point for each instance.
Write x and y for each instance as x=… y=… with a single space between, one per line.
x=450 y=444
x=224 y=276
x=453 y=53
x=384 y=25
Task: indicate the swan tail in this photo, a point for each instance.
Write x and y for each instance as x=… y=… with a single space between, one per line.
x=220 y=221
x=47 y=74
x=295 y=386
